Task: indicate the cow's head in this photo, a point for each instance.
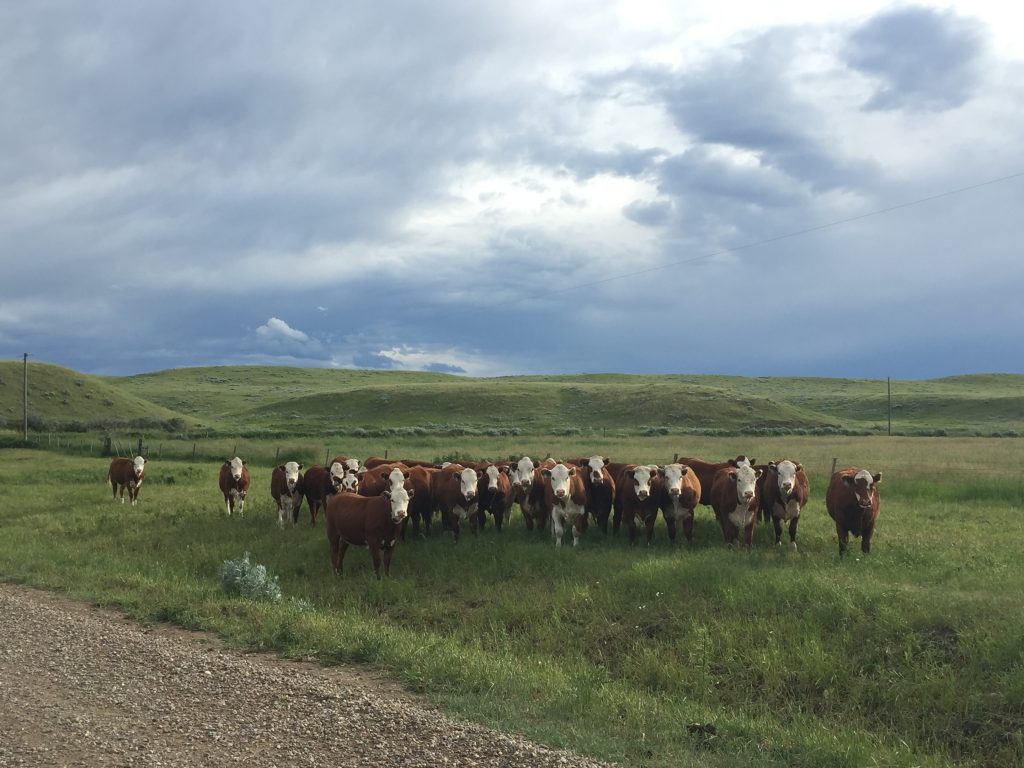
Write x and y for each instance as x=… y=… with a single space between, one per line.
x=349 y=483
x=522 y=475
x=351 y=465
x=641 y=477
x=785 y=472
x=467 y=480
x=396 y=478
x=742 y=461
x=399 y=498
x=236 y=465
x=138 y=465
x=673 y=475
x=291 y=474
x=745 y=477
x=338 y=473
x=559 y=476
x=863 y=484
x=492 y=473
x=594 y=466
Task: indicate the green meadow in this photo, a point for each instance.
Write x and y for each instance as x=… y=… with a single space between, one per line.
x=660 y=656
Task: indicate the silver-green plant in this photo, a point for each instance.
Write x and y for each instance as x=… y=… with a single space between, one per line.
x=245 y=579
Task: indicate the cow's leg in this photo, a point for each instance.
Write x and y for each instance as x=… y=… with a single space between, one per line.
x=670 y=525
x=579 y=526
x=649 y=527
x=388 y=549
x=335 y=542
x=777 y=523
x=227 y=505
x=632 y=528
x=375 y=554
x=557 y=531
x=241 y=507
x=280 y=515
x=453 y=523
x=527 y=518
x=748 y=532
x=792 y=533
x=865 y=541
x=688 y=527
x=341 y=556
x=499 y=517
x=616 y=518
x=844 y=539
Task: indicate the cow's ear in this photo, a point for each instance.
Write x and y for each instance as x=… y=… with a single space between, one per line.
x=546 y=473
x=412 y=492
x=300 y=466
x=606 y=460
x=572 y=471
x=384 y=475
x=504 y=470
x=758 y=473
x=631 y=473
x=685 y=470
x=799 y=467
x=245 y=463
x=386 y=494
x=733 y=475
x=406 y=475
x=479 y=474
x=877 y=477
x=773 y=466
x=848 y=479
x=281 y=467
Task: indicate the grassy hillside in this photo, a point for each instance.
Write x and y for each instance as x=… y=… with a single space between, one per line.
x=278 y=400
x=60 y=398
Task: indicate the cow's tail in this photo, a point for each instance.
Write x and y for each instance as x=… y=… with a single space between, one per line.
x=110 y=480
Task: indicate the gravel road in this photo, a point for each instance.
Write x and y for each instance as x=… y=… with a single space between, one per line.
x=80 y=686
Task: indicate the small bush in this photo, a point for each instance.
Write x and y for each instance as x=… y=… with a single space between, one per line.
x=242 y=578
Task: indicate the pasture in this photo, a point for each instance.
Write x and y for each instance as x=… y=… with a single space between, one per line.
x=659 y=656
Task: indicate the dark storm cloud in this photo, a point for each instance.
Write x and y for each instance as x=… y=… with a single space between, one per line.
x=922 y=58
x=443 y=368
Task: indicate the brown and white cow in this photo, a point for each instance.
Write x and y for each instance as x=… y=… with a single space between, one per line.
x=349 y=465
x=522 y=478
x=565 y=501
x=853 y=503
x=636 y=499
x=455 y=495
x=234 y=484
x=707 y=470
x=600 y=487
x=783 y=491
x=286 y=487
x=375 y=522
x=678 y=496
x=494 y=491
x=734 y=499
x=382 y=477
x=126 y=474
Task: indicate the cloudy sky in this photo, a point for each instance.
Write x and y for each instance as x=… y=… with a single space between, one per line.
x=649 y=186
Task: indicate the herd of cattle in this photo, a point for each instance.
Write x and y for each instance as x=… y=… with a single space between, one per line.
x=370 y=503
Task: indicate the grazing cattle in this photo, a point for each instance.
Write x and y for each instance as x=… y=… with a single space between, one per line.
x=565 y=501
x=320 y=486
x=600 y=486
x=706 y=472
x=678 y=496
x=734 y=499
x=853 y=503
x=234 y=484
x=421 y=505
x=635 y=499
x=126 y=473
x=287 y=489
x=494 y=491
x=454 y=492
x=783 y=491
x=375 y=522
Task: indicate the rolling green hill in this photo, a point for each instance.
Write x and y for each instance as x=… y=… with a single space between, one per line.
x=310 y=400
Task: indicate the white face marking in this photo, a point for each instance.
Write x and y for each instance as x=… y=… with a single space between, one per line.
x=673 y=479
x=350 y=483
x=743 y=462
x=642 y=477
x=338 y=472
x=863 y=479
x=745 y=478
x=594 y=466
x=786 y=471
x=467 y=483
x=560 y=475
x=291 y=474
x=396 y=479
x=492 y=477
x=399 y=504
x=236 y=468
x=138 y=464
x=524 y=473
x=351 y=465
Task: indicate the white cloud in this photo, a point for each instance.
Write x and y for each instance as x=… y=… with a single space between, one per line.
x=276 y=329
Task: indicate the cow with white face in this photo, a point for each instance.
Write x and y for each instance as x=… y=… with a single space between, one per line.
x=853 y=503
x=565 y=501
x=494 y=492
x=600 y=487
x=734 y=499
x=287 y=489
x=525 y=491
x=454 y=489
x=635 y=499
x=783 y=491
x=234 y=484
x=678 y=496
x=127 y=474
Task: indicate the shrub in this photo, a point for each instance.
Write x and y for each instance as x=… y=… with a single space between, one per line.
x=242 y=578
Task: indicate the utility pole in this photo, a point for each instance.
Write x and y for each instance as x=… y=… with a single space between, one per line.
x=888 y=393
x=24 y=389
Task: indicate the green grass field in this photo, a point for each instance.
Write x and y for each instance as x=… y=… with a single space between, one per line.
x=911 y=656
